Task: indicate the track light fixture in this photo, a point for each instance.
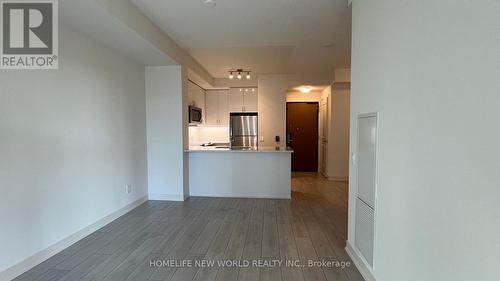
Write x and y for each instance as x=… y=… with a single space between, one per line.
x=239 y=72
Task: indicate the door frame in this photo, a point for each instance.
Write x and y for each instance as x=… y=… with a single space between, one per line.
x=318 y=168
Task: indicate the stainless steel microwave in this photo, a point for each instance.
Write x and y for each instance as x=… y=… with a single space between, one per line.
x=195 y=115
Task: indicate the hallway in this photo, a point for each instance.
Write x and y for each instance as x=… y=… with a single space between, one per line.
x=320 y=206
x=311 y=226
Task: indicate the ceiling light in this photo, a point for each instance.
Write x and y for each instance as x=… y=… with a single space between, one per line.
x=241 y=90
x=210 y=3
x=253 y=90
x=305 y=89
x=246 y=90
x=239 y=72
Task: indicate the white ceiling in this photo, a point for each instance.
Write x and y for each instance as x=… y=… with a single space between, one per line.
x=265 y=36
x=110 y=32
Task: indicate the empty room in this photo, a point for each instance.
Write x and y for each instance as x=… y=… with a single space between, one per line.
x=236 y=140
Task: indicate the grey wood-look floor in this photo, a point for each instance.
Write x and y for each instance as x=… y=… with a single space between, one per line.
x=310 y=226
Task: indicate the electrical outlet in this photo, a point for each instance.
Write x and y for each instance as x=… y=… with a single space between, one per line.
x=128 y=188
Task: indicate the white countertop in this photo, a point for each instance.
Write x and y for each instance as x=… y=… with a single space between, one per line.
x=260 y=149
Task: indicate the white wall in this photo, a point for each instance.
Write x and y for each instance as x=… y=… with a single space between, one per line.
x=431 y=69
x=166 y=139
x=342 y=75
x=196 y=96
x=70 y=140
x=338 y=134
x=312 y=96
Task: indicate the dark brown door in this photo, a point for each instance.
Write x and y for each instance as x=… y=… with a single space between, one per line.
x=302 y=135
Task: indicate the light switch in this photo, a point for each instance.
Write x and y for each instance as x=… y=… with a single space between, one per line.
x=261 y=139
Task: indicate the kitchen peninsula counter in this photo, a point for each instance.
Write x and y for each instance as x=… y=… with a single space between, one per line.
x=227 y=149
x=263 y=172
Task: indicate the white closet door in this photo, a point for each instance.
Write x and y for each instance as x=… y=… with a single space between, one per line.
x=364 y=230
x=366 y=186
x=367 y=138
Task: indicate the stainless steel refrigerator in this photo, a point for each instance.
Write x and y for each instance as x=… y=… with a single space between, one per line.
x=243 y=130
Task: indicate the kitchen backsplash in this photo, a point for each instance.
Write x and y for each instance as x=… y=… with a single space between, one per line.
x=200 y=134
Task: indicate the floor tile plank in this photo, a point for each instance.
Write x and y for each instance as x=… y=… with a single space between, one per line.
x=310 y=226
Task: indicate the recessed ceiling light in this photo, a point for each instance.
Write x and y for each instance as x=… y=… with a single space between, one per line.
x=210 y=3
x=305 y=89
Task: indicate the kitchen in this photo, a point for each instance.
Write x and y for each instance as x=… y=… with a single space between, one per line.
x=226 y=155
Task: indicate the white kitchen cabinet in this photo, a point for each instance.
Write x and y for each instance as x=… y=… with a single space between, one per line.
x=235 y=100
x=211 y=114
x=243 y=100
x=250 y=101
x=196 y=95
x=216 y=108
x=223 y=108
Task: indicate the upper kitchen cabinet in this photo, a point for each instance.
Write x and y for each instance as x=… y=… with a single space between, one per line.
x=235 y=100
x=216 y=108
x=196 y=95
x=250 y=100
x=243 y=100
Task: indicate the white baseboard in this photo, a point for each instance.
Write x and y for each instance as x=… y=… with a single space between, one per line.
x=334 y=178
x=360 y=263
x=166 y=197
x=23 y=266
x=243 y=197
